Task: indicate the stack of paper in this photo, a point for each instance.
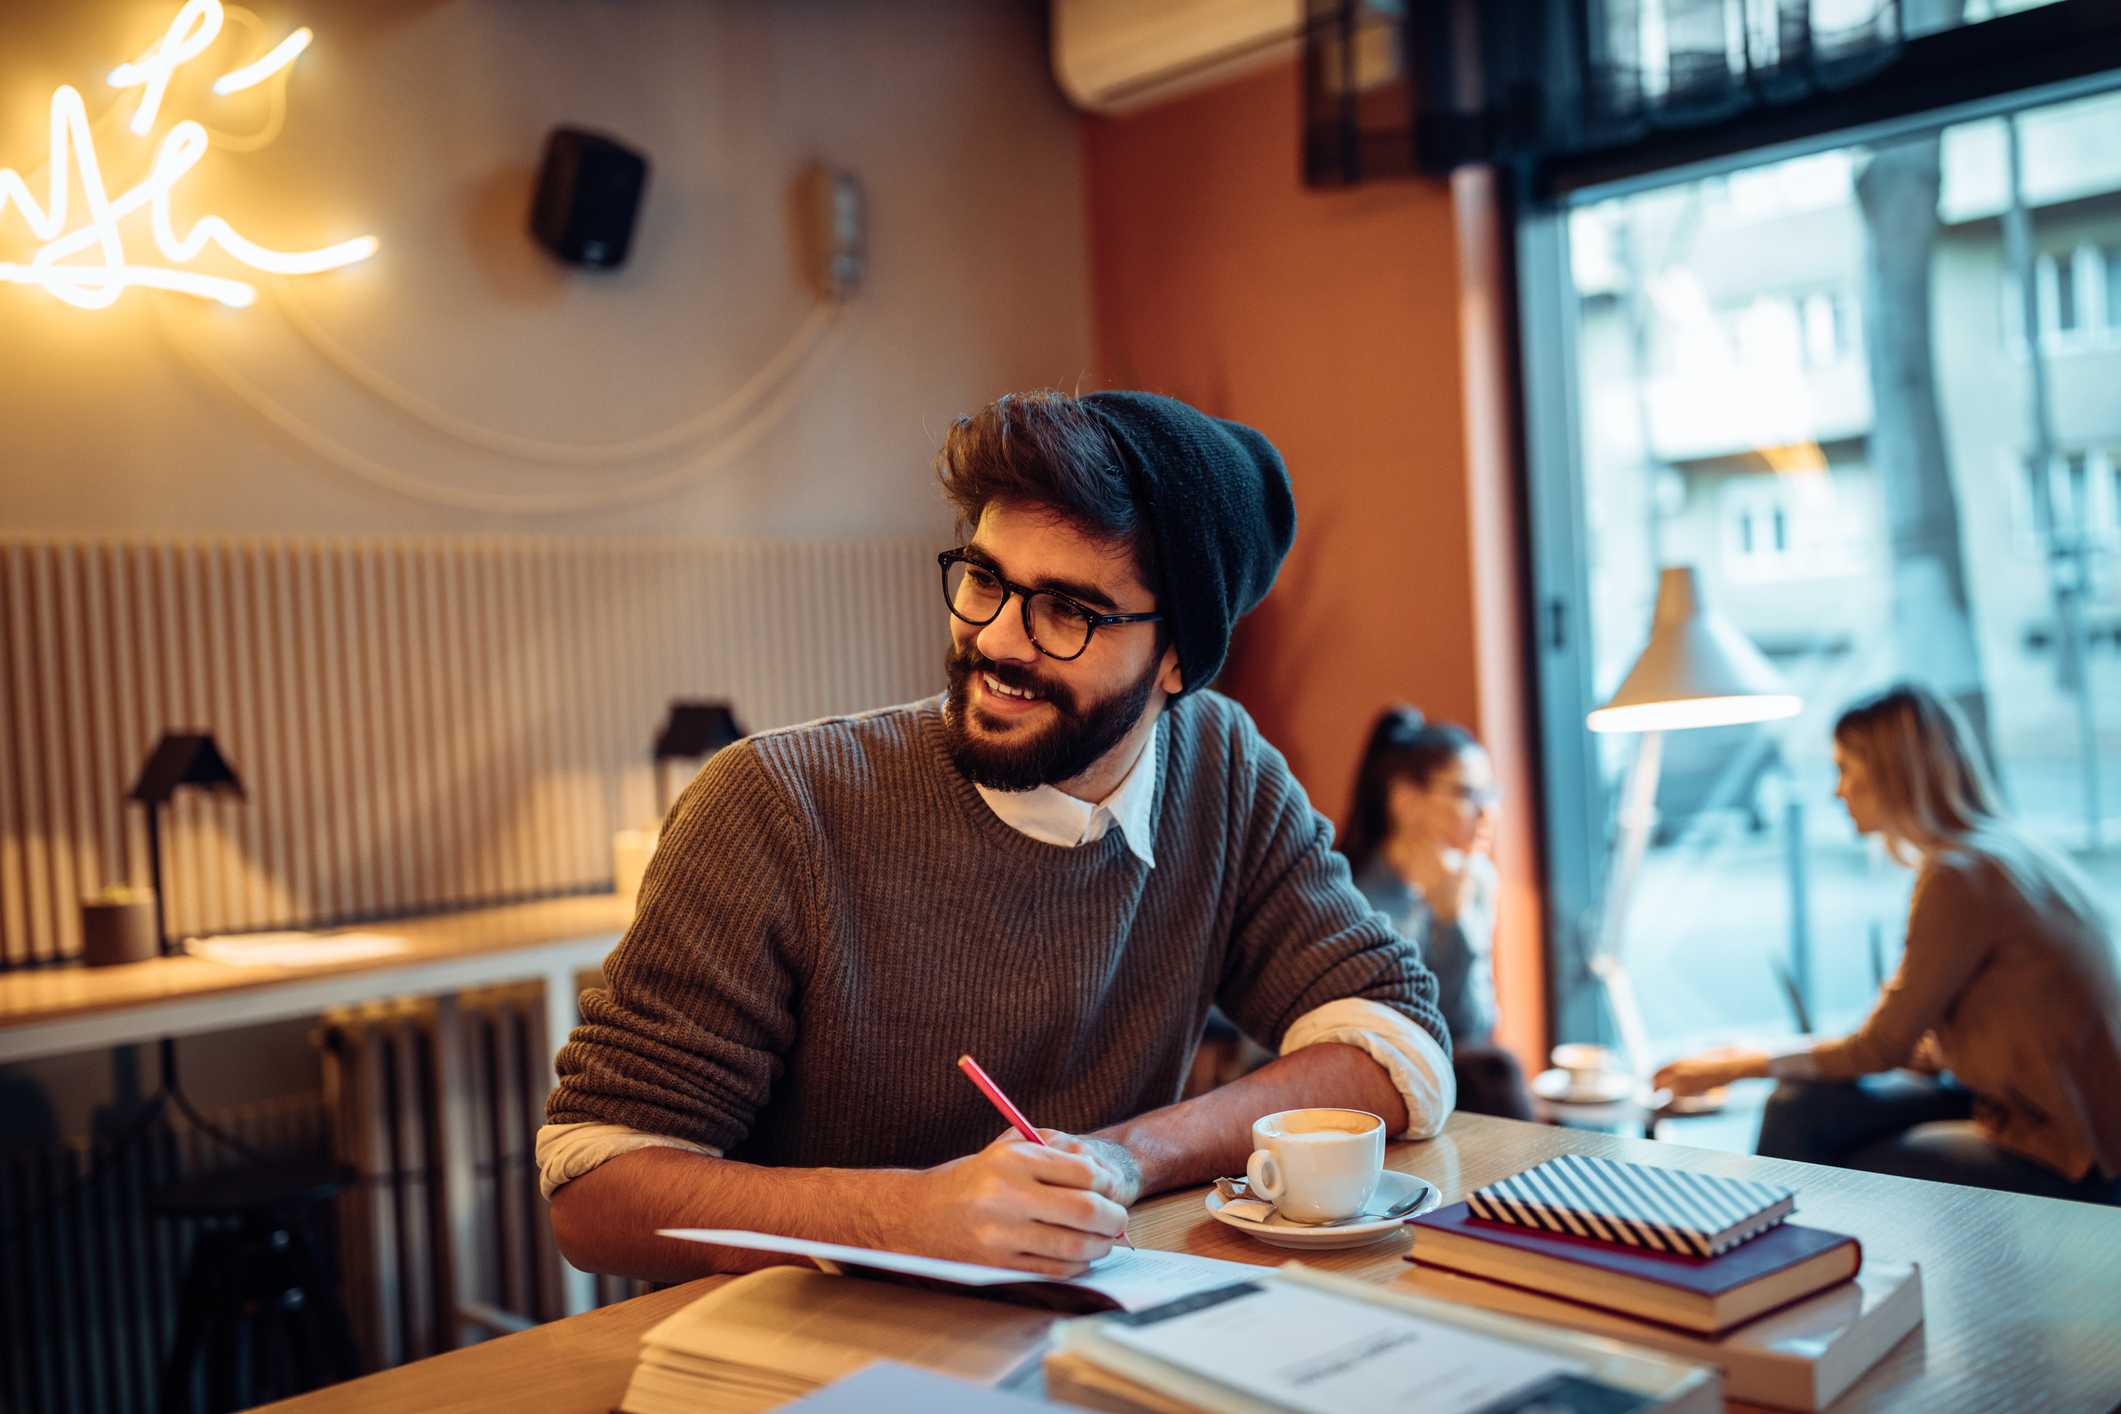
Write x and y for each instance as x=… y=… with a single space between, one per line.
x=294 y=949
x=1299 y=1341
x=774 y=1336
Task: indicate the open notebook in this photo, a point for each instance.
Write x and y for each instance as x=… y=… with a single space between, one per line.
x=1124 y=1280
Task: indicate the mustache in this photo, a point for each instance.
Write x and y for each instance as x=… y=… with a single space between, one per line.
x=965 y=660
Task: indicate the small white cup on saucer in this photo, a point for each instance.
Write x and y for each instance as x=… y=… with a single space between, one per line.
x=1316 y=1166
x=1587 y=1065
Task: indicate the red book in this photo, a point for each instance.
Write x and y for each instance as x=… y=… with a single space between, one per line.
x=1707 y=1294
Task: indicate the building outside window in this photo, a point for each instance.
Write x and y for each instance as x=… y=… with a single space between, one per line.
x=1719 y=351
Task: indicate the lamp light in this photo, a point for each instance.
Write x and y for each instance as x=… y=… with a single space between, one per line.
x=692 y=730
x=180 y=759
x=1696 y=671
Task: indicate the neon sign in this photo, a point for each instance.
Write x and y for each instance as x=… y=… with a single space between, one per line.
x=90 y=285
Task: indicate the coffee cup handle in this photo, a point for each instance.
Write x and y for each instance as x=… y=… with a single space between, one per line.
x=1263 y=1176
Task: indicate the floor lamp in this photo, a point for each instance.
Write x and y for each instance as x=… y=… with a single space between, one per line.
x=1697 y=671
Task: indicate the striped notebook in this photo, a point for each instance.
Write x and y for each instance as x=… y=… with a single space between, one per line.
x=1663 y=1210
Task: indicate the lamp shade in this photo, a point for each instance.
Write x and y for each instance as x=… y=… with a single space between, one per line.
x=697 y=729
x=186 y=759
x=1697 y=671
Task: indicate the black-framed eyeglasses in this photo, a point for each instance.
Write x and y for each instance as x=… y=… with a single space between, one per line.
x=1479 y=797
x=1057 y=626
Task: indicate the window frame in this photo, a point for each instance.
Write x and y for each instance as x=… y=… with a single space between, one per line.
x=1576 y=805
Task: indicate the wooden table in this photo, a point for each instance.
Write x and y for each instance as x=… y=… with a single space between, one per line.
x=2023 y=1295
x=52 y=1010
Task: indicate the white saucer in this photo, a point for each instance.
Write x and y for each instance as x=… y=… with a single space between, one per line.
x=1392 y=1189
x=1608 y=1088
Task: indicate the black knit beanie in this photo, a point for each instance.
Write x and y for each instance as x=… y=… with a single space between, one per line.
x=1218 y=508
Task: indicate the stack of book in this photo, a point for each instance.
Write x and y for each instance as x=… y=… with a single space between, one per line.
x=1702 y=1267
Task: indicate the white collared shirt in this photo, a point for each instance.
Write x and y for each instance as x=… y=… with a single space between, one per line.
x=1420 y=1070
x=1052 y=815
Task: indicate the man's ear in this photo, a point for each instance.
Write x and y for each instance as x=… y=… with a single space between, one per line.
x=1168 y=676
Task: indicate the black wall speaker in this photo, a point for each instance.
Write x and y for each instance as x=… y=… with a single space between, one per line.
x=589 y=191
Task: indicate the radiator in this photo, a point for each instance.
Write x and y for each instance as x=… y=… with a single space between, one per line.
x=436 y=1103
x=88 y=1283
x=442 y=1240
x=420 y=724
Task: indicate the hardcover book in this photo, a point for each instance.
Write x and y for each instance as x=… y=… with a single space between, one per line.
x=1800 y=1357
x=1713 y=1294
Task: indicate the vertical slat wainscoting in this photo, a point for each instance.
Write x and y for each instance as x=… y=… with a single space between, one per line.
x=419 y=724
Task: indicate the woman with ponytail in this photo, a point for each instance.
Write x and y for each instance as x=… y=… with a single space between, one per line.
x=1418 y=841
x=2008 y=984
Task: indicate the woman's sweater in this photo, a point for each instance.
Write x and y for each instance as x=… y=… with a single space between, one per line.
x=2022 y=998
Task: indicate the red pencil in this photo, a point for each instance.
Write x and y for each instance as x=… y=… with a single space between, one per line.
x=1010 y=1112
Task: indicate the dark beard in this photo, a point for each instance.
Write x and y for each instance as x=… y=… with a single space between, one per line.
x=1025 y=759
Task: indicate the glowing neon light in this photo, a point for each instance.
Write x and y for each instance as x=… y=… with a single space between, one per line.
x=197 y=25
x=73 y=152
x=281 y=56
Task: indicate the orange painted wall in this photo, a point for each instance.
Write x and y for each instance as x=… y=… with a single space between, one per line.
x=1330 y=320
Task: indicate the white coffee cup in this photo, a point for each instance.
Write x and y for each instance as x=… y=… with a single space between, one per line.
x=1316 y=1166
x=1588 y=1065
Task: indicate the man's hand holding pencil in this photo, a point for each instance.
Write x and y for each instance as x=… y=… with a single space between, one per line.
x=1052 y=1207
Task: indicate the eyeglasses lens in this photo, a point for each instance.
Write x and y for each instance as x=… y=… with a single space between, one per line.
x=1060 y=627
x=972 y=594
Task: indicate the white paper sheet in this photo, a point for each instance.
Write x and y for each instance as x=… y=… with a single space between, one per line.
x=1324 y=1354
x=1136 y=1280
x=294 y=949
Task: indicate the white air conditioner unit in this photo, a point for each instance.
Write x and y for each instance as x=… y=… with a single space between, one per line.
x=1113 y=56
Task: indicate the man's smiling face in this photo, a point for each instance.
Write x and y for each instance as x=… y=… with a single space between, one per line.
x=1018 y=719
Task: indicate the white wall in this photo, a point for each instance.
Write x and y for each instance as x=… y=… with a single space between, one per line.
x=421 y=121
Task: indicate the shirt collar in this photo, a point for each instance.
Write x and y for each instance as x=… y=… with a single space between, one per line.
x=1055 y=817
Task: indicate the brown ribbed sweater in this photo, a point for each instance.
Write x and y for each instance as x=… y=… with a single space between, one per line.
x=834 y=916
x=2025 y=1004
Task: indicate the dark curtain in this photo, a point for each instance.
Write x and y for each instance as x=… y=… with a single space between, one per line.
x=1575 y=90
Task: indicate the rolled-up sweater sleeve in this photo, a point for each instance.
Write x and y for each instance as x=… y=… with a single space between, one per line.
x=1416 y=1065
x=1949 y=938
x=687 y=1037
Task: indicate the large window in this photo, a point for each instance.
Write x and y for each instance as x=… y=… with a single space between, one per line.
x=1873 y=394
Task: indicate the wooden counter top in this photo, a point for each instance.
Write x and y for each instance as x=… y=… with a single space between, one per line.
x=44 y=1011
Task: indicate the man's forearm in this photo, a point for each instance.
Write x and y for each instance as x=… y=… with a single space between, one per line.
x=606 y=1219
x=1048 y=1209
x=1198 y=1139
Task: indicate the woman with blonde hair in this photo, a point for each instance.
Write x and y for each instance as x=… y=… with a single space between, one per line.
x=2007 y=995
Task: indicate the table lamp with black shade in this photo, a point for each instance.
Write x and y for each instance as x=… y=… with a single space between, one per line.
x=1696 y=671
x=692 y=731
x=256 y=1250
x=180 y=759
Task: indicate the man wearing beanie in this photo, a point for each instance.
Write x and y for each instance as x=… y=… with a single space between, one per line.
x=1057 y=867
